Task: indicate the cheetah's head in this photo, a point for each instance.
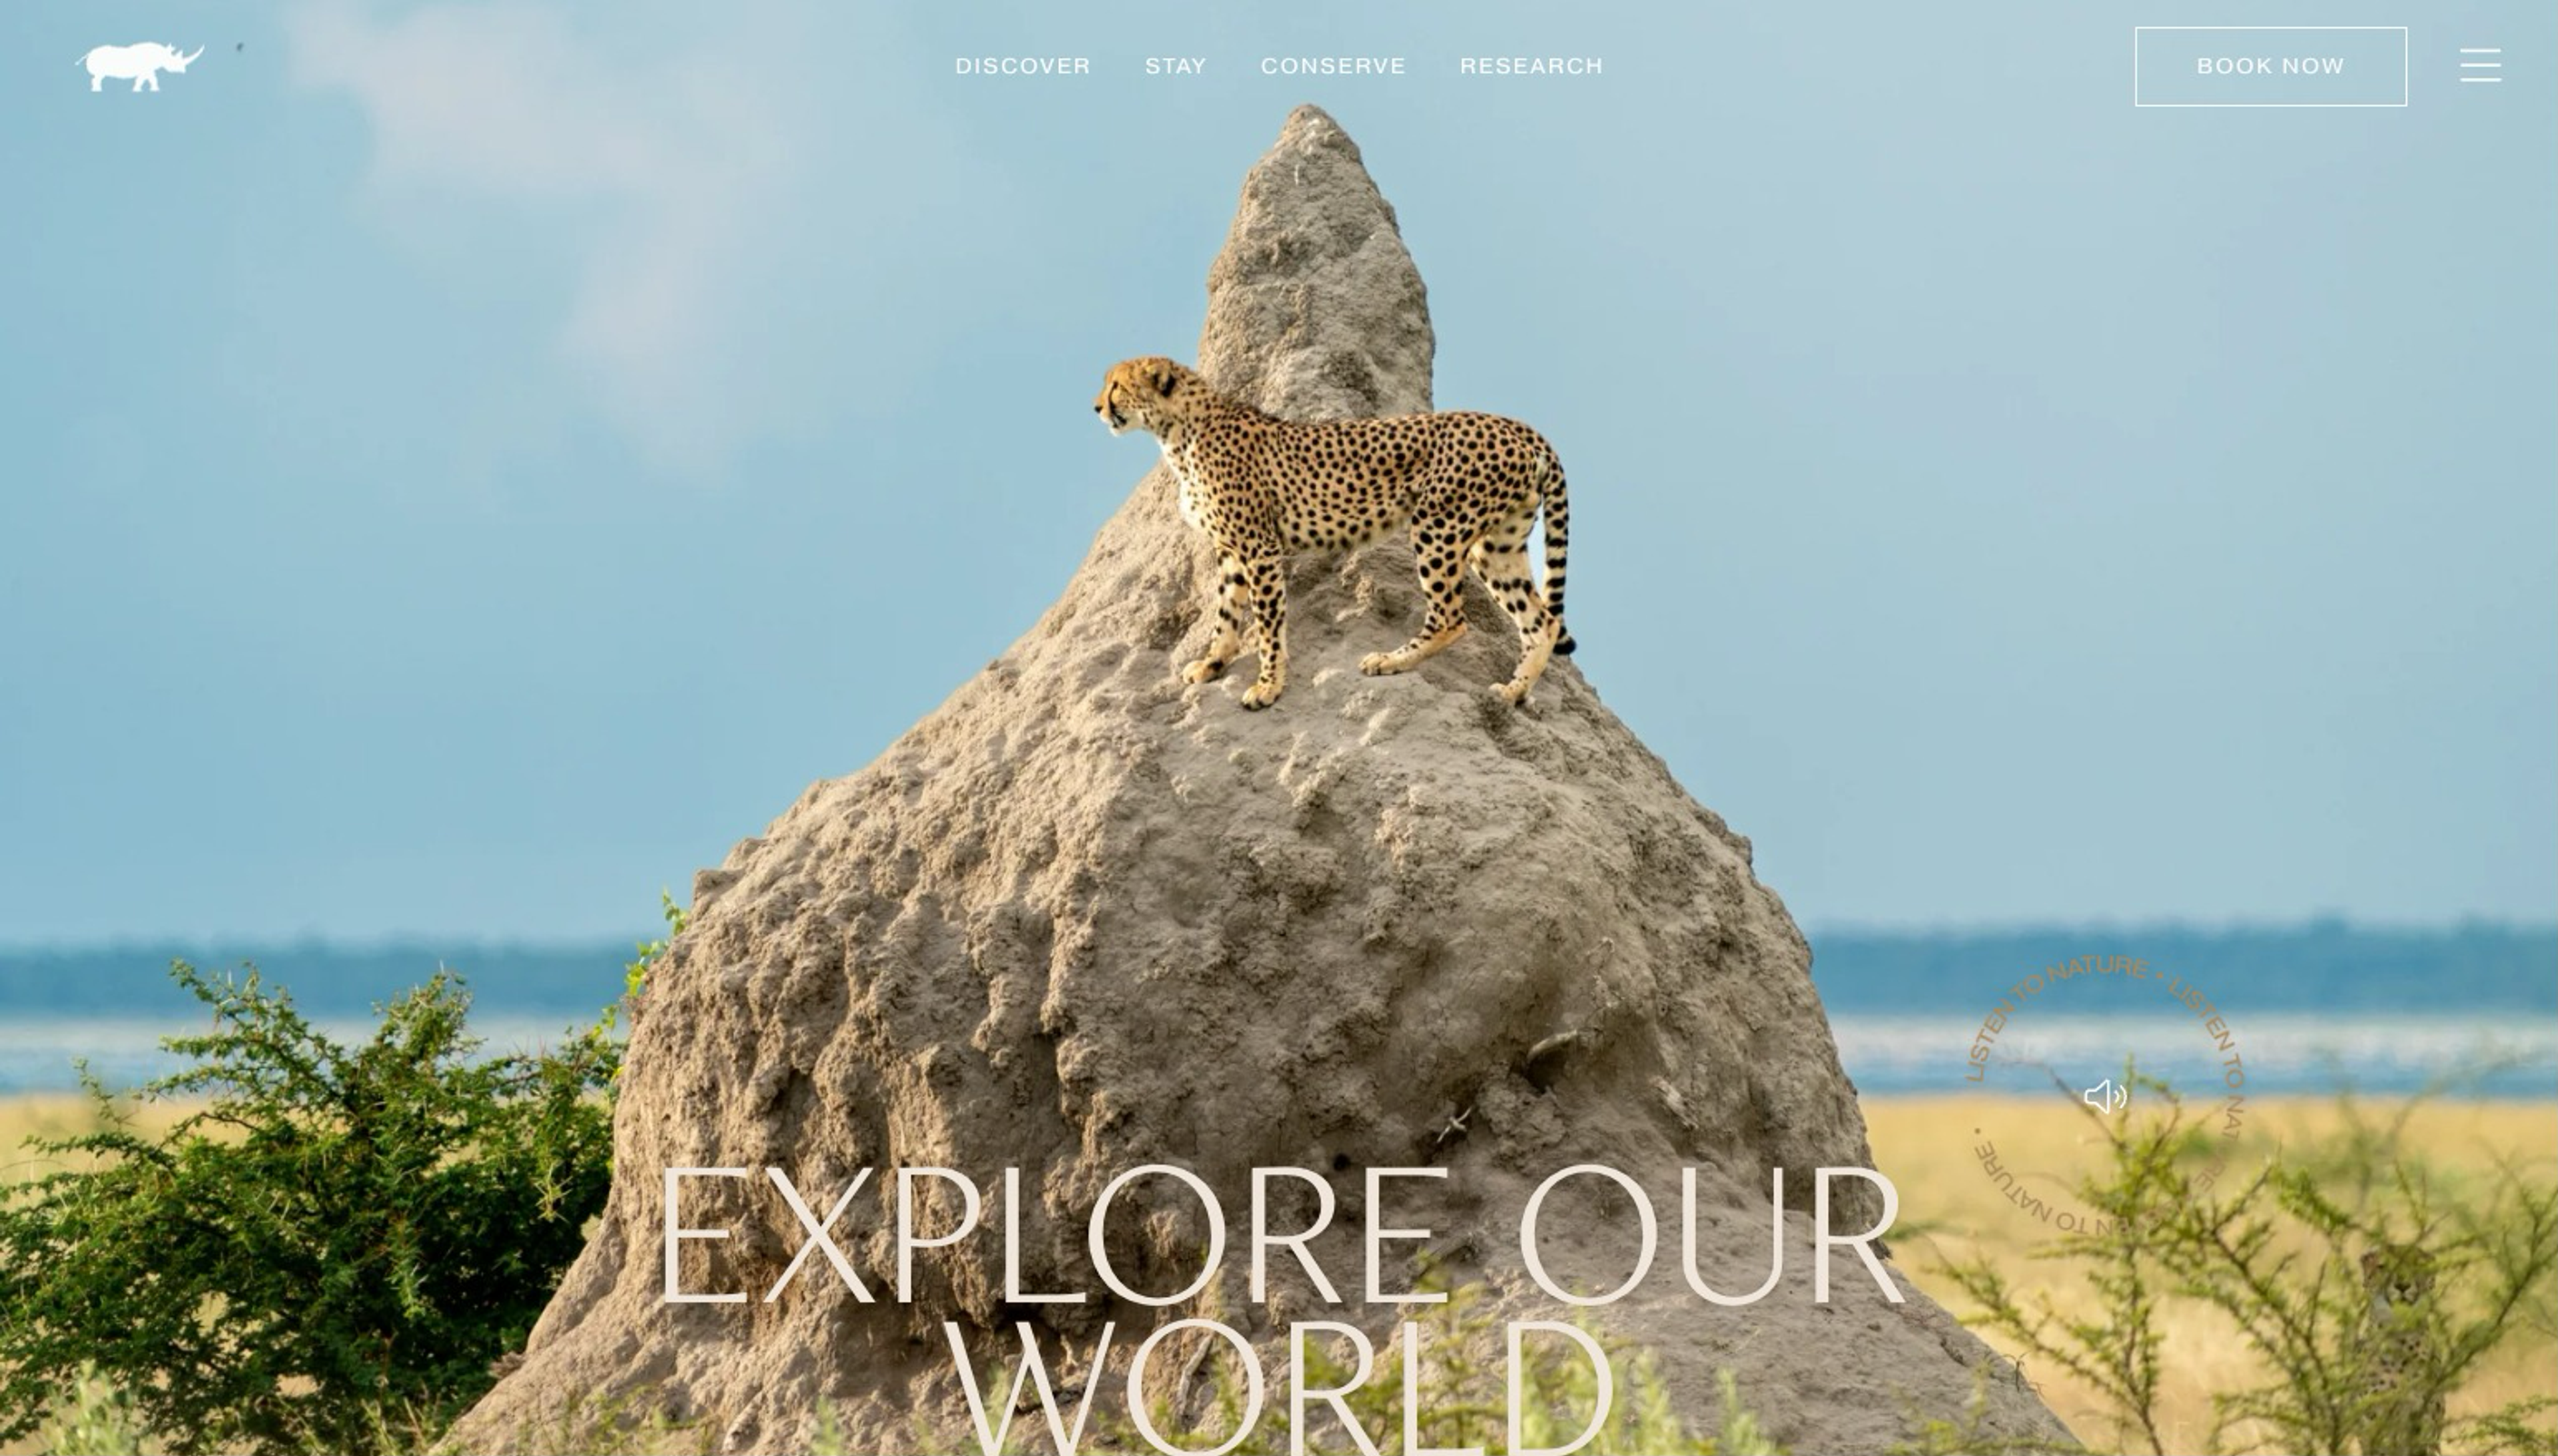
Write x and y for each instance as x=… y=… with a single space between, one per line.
x=1148 y=393
x=2397 y=1274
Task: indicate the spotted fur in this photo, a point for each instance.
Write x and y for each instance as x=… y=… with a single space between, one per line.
x=2405 y=1413
x=1470 y=486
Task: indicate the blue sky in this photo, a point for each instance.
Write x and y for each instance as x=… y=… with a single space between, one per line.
x=465 y=465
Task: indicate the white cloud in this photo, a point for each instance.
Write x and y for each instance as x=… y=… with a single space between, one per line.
x=656 y=150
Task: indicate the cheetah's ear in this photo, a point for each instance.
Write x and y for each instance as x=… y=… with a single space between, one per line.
x=1164 y=383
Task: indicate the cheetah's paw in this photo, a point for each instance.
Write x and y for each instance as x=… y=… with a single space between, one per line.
x=1206 y=669
x=1260 y=695
x=1379 y=665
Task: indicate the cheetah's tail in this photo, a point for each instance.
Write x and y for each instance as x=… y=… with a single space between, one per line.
x=1558 y=535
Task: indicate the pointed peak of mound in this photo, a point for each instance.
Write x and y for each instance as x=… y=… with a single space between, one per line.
x=1315 y=309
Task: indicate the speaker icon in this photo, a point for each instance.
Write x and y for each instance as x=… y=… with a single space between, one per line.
x=2104 y=1096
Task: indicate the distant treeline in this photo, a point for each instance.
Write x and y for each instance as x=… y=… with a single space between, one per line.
x=2325 y=966
x=2321 y=966
x=325 y=978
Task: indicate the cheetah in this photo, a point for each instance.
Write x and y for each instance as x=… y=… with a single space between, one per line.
x=2405 y=1414
x=1468 y=485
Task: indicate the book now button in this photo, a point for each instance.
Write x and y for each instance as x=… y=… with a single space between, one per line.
x=2269 y=65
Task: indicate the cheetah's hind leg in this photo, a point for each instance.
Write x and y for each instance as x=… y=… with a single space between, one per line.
x=1439 y=554
x=1504 y=568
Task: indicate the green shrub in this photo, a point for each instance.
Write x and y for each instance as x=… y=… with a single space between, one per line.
x=91 y=1418
x=634 y=974
x=2369 y=1283
x=337 y=1245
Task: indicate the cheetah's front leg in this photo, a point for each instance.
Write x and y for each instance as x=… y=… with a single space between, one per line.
x=1232 y=593
x=1270 y=624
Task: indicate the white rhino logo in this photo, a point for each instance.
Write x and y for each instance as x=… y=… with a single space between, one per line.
x=140 y=64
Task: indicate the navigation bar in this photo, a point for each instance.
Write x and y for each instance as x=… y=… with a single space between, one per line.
x=1491 y=68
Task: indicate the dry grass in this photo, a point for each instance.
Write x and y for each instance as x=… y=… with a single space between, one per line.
x=1949 y=1208
x=63 y=1114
